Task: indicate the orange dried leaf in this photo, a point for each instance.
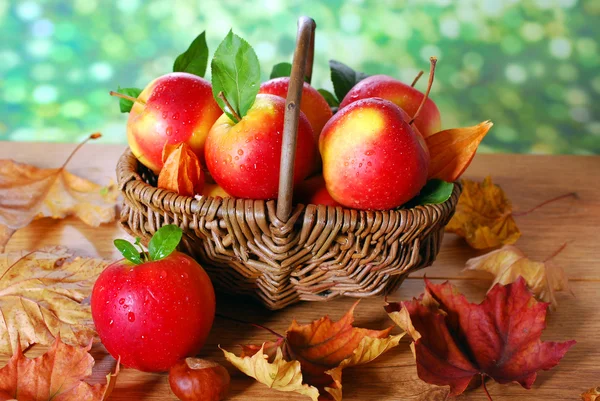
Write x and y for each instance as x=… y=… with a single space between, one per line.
x=181 y=172
x=483 y=216
x=42 y=295
x=28 y=192
x=58 y=375
x=310 y=359
x=453 y=149
x=508 y=263
x=592 y=394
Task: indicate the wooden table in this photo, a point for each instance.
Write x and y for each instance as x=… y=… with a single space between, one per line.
x=528 y=180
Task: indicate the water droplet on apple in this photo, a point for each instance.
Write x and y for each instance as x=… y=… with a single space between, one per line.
x=369 y=153
x=359 y=164
x=240 y=152
x=143 y=336
x=237 y=158
x=357 y=174
x=165 y=114
x=131 y=317
x=346 y=164
x=228 y=158
x=242 y=167
x=121 y=301
x=169 y=131
x=369 y=164
x=110 y=324
x=163 y=274
x=175 y=116
x=184 y=275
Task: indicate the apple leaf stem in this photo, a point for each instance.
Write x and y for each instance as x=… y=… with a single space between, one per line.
x=433 y=61
x=414 y=82
x=143 y=254
x=235 y=115
x=130 y=98
x=526 y=212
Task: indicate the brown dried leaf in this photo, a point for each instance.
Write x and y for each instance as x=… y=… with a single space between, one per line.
x=57 y=375
x=41 y=296
x=28 y=192
x=483 y=216
x=181 y=172
x=508 y=263
x=310 y=359
x=592 y=394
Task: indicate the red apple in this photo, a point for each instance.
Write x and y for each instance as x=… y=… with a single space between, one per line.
x=175 y=108
x=244 y=157
x=313 y=191
x=372 y=158
x=405 y=96
x=313 y=104
x=153 y=314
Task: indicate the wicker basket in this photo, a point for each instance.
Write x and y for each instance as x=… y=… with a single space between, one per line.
x=283 y=253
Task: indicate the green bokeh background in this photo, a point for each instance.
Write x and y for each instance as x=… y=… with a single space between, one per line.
x=532 y=67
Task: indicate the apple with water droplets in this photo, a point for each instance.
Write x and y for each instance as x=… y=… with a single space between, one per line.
x=152 y=309
x=174 y=108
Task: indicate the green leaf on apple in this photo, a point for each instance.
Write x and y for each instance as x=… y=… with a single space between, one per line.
x=281 y=70
x=128 y=250
x=344 y=78
x=164 y=241
x=236 y=74
x=329 y=97
x=126 y=104
x=195 y=59
x=434 y=192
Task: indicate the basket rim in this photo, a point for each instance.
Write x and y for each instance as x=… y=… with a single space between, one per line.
x=127 y=177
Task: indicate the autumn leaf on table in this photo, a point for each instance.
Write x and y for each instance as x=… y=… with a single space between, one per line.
x=508 y=263
x=310 y=358
x=592 y=394
x=41 y=296
x=483 y=216
x=456 y=341
x=28 y=192
x=57 y=375
x=453 y=149
x=181 y=171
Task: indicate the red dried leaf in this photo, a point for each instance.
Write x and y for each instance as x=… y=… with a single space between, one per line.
x=181 y=171
x=57 y=375
x=456 y=341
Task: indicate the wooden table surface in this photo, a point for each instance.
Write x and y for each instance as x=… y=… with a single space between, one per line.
x=527 y=180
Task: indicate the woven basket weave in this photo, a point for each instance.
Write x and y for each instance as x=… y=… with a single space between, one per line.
x=283 y=253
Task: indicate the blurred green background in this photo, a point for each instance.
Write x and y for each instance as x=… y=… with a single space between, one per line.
x=532 y=67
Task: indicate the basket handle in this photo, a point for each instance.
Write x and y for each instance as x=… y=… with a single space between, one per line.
x=301 y=68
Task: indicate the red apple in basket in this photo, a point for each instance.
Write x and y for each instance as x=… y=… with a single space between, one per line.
x=372 y=158
x=174 y=108
x=153 y=308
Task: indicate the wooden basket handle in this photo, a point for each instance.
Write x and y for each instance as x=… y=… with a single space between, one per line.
x=301 y=68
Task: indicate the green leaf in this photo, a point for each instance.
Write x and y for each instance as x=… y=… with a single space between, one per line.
x=125 y=104
x=344 y=78
x=434 y=192
x=236 y=73
x=164 y=241
x=195 y=59
x=281 y=70
x=330 y=97
x=128 y=250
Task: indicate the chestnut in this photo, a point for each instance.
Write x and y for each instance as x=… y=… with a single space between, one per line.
x=194 y=379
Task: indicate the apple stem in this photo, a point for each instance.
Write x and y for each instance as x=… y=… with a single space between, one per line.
x=93 y=136
x=414 y=82
x=573 y=194
x=251 y=324
x=433 y=61
x=131 y=98
x=485 y=388
x=235 y=115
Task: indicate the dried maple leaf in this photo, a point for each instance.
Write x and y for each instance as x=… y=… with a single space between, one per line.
x=509 y=263
x=28 y=192
x=456 y=341
x=453 y=149
x=181 y=171
x=484 y=216
x=41 y=296
x=56 y=375
x=592 y=394
x=310 y=359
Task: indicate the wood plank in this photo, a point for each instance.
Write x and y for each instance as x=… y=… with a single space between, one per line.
x=528 y=181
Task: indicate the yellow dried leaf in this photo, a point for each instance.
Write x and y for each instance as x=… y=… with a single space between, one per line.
x=28 y=192
x=59 y=374
x=484 y=216
x=592 y=394
x=508 y=263
x=41 y=296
